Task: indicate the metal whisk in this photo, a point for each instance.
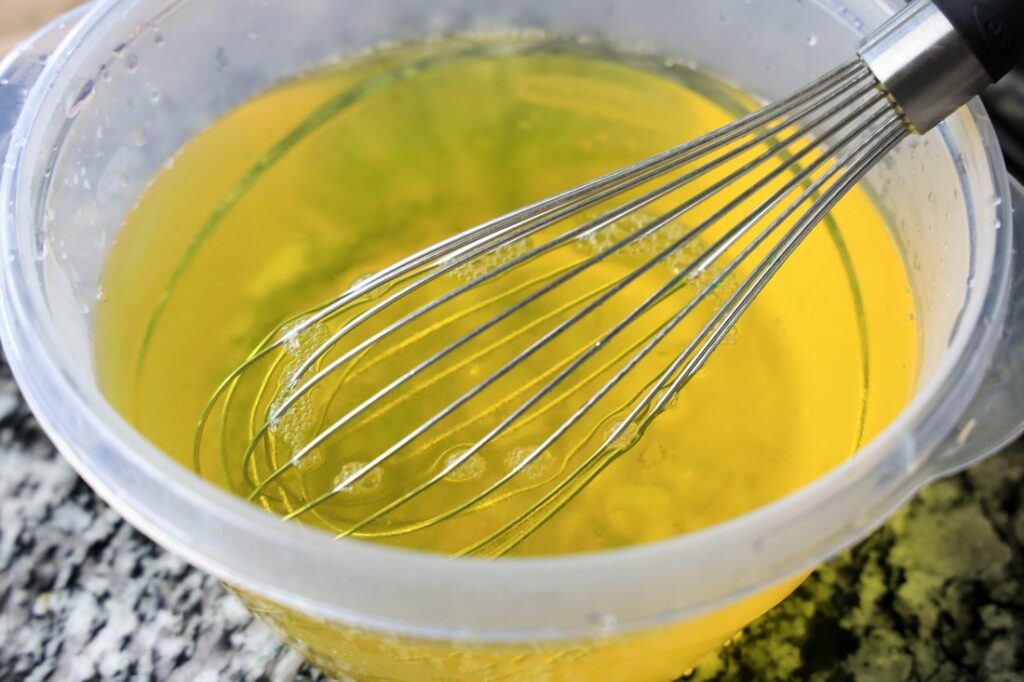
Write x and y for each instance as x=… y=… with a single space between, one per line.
x=485 y=381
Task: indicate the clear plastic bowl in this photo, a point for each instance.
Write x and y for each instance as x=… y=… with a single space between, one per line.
x=379 y=613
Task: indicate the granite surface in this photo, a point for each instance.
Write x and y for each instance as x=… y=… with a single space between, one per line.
x=937 y=594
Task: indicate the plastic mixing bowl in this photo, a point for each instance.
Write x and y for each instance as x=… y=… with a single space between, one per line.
x=373 y=612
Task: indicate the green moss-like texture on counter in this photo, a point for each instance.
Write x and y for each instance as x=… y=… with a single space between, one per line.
x=937 y=594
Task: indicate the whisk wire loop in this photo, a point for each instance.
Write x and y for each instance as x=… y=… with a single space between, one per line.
x=709 y=338
x=719 y=248
x=603 y=221
x=780 y=169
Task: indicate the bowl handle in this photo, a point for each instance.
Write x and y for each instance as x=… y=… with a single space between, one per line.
x=995 y=418
x=20 y=69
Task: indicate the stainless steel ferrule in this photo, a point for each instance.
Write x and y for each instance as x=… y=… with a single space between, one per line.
x=924 y=64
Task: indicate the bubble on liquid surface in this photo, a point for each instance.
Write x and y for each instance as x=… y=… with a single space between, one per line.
x=310 y=462
x=490 y=260
x=295 y=420
x=368 y=483
x=622 y=434
x=650 y=238
x=296 y=417
x=597 y=241
x=542 y=466
x=373 y=292
x=731 y=337
x=471 y=469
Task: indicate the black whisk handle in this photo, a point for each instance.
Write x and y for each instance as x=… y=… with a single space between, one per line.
x=994 y=30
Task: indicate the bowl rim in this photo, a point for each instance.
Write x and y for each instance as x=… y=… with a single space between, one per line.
x=530 y=598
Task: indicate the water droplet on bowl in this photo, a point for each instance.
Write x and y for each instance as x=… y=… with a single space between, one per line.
x=220 y=58
x=965 y=431
x=131 y=62
x=80 y=99
x=603 y=621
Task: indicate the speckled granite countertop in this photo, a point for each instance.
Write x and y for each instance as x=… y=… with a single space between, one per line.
x=937 y=594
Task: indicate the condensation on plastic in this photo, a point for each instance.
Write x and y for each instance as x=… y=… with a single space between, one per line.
x=99 y=103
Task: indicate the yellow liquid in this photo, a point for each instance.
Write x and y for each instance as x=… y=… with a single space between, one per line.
x=292 y=197
x=295 y=195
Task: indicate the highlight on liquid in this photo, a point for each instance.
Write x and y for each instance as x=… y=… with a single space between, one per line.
x=299 y=193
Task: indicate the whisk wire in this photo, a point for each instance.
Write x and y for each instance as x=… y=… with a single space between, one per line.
x=567 y=237
x=651 y=227
x=791 y=161
x=719 y=248
x=799 y=102
x=860 y=161
x=796 y=106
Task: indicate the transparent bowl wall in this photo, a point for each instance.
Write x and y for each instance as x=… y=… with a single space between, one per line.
x=129 y=81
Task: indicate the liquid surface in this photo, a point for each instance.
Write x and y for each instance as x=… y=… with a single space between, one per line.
x=296 y=195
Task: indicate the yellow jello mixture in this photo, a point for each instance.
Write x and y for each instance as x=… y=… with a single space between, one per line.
x=295 y=195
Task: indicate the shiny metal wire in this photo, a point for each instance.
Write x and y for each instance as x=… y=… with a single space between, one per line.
x=775 y=175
